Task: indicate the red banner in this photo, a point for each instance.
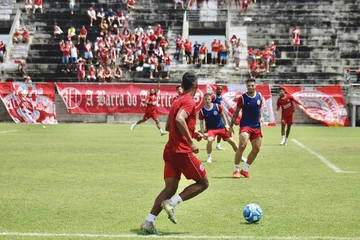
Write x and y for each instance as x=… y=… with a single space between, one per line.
x=231 y=94
x=118 y=98
x=29 y=103
x=325 y=104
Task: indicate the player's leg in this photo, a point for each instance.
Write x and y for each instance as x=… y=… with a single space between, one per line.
x=209 y=148
x=287 y=133
x=145 y=118
x=157 y=122
x=193 y=169
x=218 y=140
x=283 y=125
x=243 y=139
x=256 y=144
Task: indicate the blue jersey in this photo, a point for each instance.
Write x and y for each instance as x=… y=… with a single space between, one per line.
x=251 y=107
x=216 y=99
x=212 y=117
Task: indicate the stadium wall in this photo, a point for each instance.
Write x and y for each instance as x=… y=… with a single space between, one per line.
x=64 y=117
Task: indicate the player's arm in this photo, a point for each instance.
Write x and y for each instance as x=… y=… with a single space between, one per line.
x=261 y=111
x=180 y=120
x=235 y=115
x=167 y=125
x=278 y=105
x=301 y=106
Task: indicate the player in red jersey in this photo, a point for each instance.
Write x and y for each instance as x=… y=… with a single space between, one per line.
x=150 y=111
x=179 y=157
x=287 y=113
x=179 y=91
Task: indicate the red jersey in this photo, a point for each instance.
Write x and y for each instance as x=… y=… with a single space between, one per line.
x=214 y=46
x=149 y=98
x=202 y=50
x=158 y=31
x=177 y=141
x=286 y=104
x=167 y=60
x=188 y=46
x=83 y=31
x=38 y=2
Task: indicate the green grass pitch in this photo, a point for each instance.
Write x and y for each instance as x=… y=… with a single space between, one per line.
x=103 y=179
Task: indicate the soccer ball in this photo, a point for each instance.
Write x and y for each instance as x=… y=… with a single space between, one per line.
x=252 y=213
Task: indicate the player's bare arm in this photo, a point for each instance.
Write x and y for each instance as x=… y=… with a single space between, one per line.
x=261 y=111
x=224 y=119
x=167 y=125
x=236 y=113
x=183 y=128
x=202 y=129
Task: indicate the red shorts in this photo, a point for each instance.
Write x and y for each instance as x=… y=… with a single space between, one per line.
x=81 y=74
x=287 y=119
x=150 y=114
x=219 y=132
x=253 y=132
x=185 y=163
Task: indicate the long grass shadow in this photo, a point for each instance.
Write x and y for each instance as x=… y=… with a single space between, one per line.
x=161 y=233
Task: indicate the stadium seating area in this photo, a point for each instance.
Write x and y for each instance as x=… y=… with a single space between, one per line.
x=329 y=39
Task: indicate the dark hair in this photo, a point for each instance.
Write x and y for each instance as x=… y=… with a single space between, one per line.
x=178 y=86
x=250 y=80
x=188 y=80
x=282 y=89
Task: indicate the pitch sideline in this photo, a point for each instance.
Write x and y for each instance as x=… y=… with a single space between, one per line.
x=8 y=131
x=323 y=159
x=119 y=236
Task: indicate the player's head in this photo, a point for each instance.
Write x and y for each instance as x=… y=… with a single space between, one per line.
x=179 y=90
x=282 y=92
x=189 y=83
x=207 y=99
x=250 y=85
x=152 y=91
x=219 y=90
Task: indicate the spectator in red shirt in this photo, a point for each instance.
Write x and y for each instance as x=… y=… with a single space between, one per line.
x=202 y=53
x=166 y=65
x=159 y=31
x=253 y=69
x=214 y=51
x=295 y=32
x=25 y=36
x=179 y=46
x=120 y=17
x=38 y=4
x=17 y=37
x=188 y=48
x=129 y=60
x=118 y=74
x=92 y=74
x=81 y=69
x=82 y=34
x=153 y=65
x=130 y=5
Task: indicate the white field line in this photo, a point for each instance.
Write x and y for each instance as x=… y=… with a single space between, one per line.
x=175 y=236
x=323 y=159
x=8 y=131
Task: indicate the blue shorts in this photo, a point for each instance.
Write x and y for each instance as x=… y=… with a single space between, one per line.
x=65 y=60
x=71 y=6
x=73 y=60
x=88 y=55
x=223 y=55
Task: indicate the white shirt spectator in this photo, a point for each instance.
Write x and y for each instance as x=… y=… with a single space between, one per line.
x=138 y=31
x=149 y=31
x=73 y=52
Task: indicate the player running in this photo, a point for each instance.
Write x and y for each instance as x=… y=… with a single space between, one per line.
x=179 y=157
x=216 y=125
x=217 y=98
x=287 y=113
x=150 y=111
x=250 y=126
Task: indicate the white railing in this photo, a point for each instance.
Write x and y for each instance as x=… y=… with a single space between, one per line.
x=15 y=25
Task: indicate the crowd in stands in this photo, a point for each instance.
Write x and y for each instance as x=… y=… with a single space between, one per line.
x=21 y=37
x=240 y=4
x=115 y=46
x=2 y=51
x=33 y=5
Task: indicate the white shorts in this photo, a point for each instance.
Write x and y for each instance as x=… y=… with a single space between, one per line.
x=37 y=6
x=179 y=1
x=214 y=54
x=28 y=6
x=152 y=66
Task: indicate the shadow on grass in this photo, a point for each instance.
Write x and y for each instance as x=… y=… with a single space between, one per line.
x=162 y=233
x=225 y=177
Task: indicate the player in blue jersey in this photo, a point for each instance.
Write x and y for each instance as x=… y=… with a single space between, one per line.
x=217 y=98
x=216 y=125
x=250 y=126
